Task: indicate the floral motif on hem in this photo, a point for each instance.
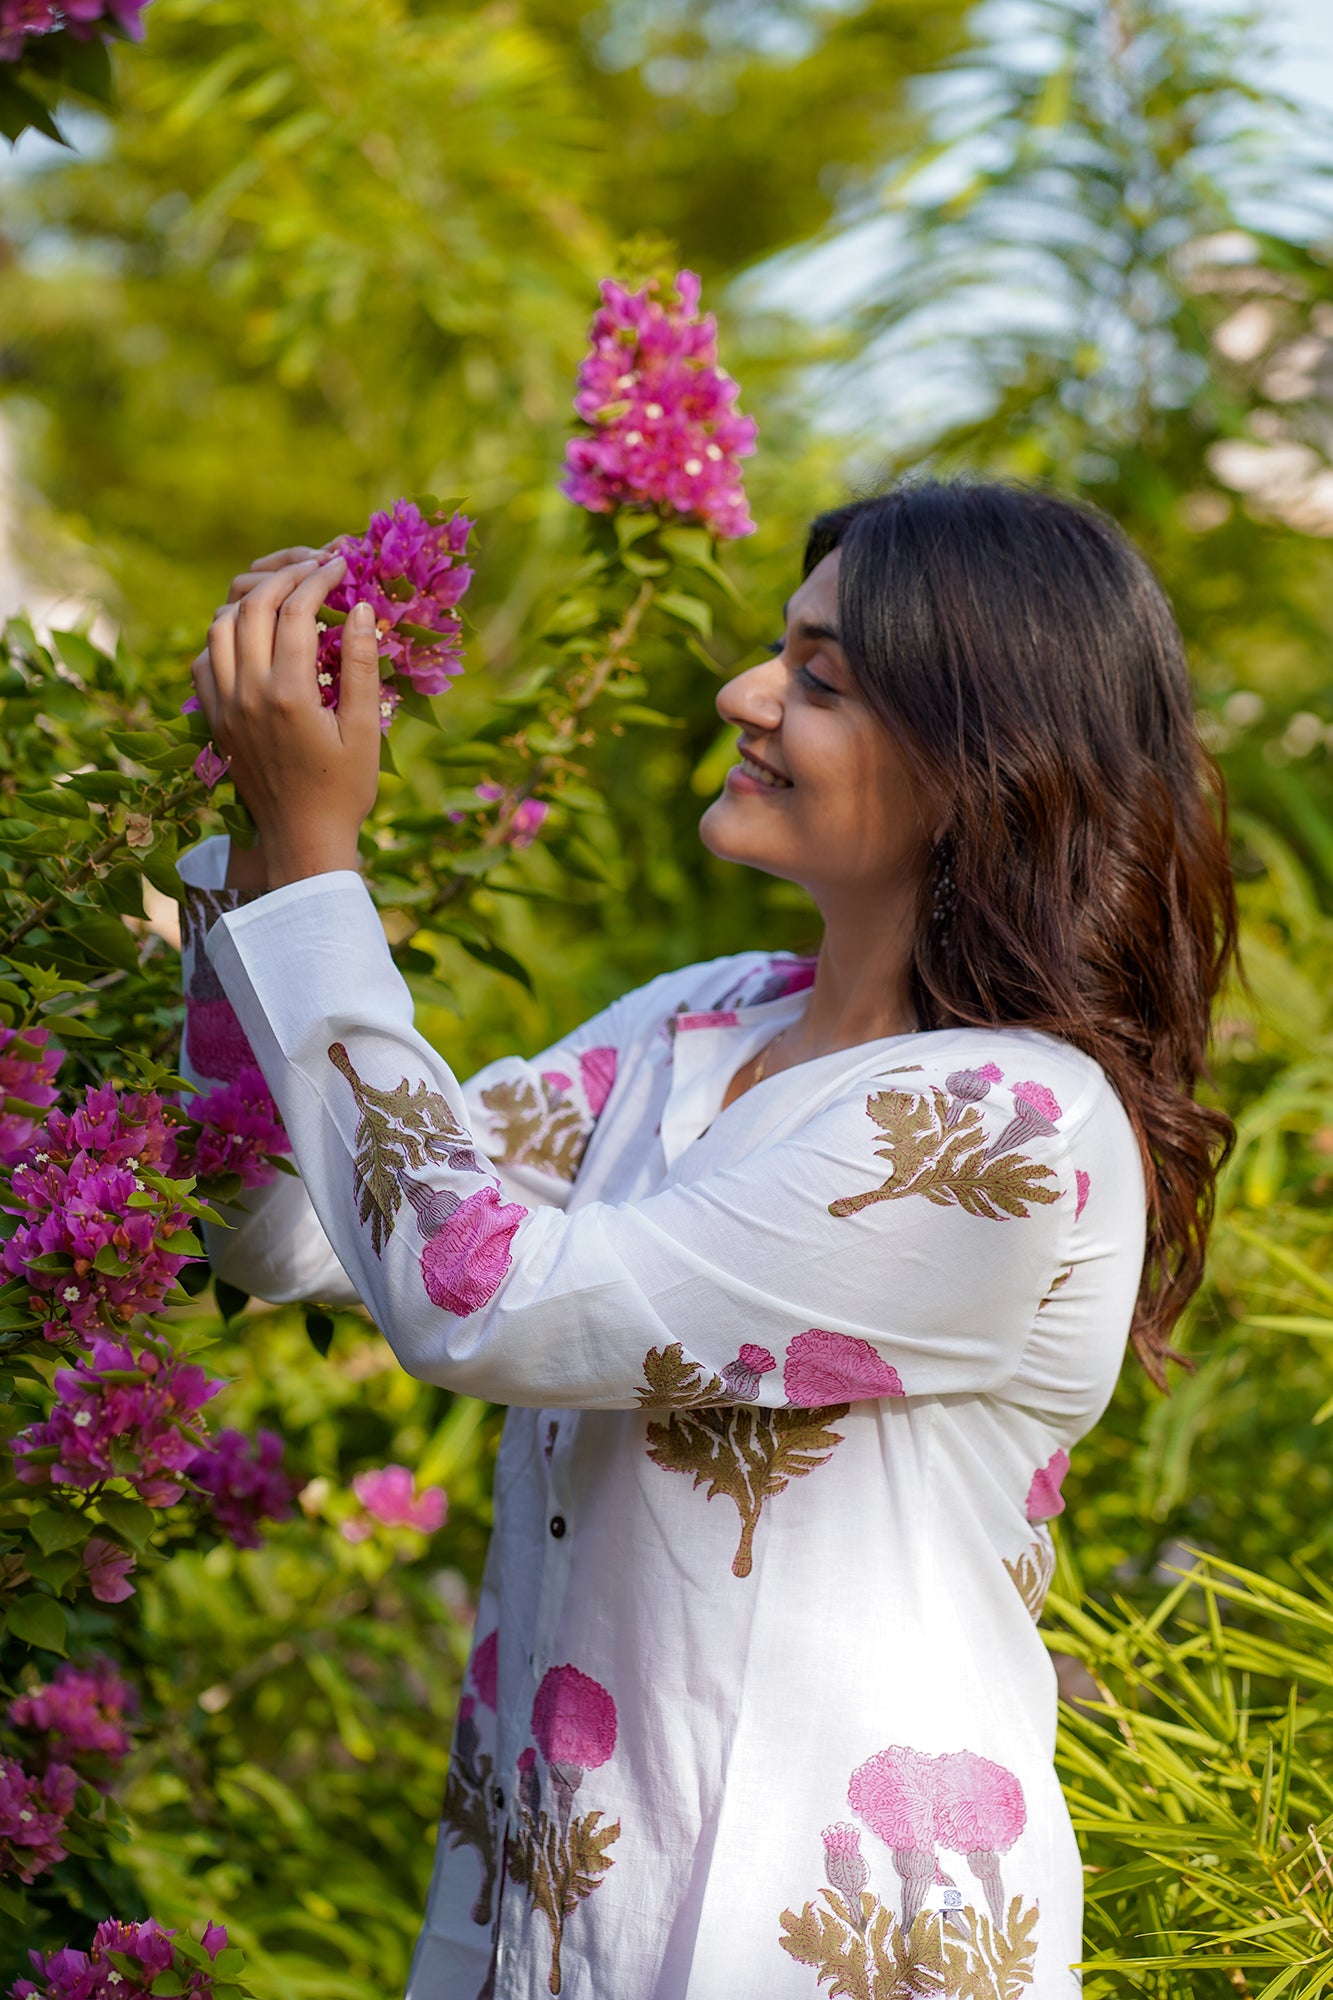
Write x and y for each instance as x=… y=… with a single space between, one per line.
x=467 y=1817
x=937 y=1942
x=1033 y=1572
x=716 y=1436
x=935 y=1145
x=558 y=1859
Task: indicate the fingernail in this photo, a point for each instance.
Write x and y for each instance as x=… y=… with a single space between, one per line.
x=361 y=616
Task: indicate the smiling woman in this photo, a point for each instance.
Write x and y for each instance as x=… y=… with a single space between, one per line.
x=851 y=1247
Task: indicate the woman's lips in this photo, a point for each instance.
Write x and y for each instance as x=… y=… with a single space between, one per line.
x=752 y=776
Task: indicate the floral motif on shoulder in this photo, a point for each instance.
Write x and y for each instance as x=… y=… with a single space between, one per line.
x=935 y=1145
x=559 y=1858
x=773 y=979
x=931 y=1938
x=715 y=1435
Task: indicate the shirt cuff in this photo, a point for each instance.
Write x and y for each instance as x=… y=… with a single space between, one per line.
x=305 y=965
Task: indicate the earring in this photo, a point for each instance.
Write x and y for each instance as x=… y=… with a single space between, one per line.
x=942 y=901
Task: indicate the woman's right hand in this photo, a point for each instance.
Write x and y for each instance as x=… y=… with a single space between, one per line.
x=247 y=867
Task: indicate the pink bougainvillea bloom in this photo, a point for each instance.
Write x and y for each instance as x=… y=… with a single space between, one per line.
x=467 y=1260
x=86 y=18
x=94 y=1975
x=526 y=820
x=824 y=1367
x=597 y=1073
x=209 y=767
x=742 y=1376
x=28 y=1065
x=844 y=1863
x=238 y=1124
x=1082 y=1183
x=979 y=1812
x=82 y=1710
x=485 y=1668
x=119 y=1415
x=406 y=567
x=663 y=431
x=389 y=1494
x=33 y=1811
x=245 y=1483
x=21 y=19
x=109 y=1568
x=573 y=1719
x=894 y=1793
x=1045 y=1499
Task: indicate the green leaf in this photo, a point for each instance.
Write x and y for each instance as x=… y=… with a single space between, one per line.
x=497 y=959
x=230 y=1301
x=38 y=1621
x=182 y=1243
x=319 y=1329
x=68 y=1028
x=53 y=1529
x=60 y=801
x=130 y=1518
x=691 y=611
x=76 y=649
x=105 y=937
x=55 y=1570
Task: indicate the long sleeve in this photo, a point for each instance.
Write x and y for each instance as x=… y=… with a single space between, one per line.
x=899 y=1243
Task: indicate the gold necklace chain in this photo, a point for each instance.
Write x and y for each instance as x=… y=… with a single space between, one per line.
x=760 y=1063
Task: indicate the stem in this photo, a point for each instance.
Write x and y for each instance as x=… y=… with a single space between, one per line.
x=599 y=672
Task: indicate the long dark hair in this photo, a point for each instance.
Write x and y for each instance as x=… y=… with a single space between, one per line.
x=1025 y=658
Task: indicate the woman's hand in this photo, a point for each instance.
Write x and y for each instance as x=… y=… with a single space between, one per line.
x=308 y=774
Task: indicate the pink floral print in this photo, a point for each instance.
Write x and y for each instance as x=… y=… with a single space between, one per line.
x=597 y=1070
x=485 y=1669
x=559 y=1860
x=743 y=1375
x=1045 y=1499
x=465 y=1263
x=1036 y=1112
x=573 y=1719
x=969 y=1086
x=823 y=1367
x=979 y=1812
x=1082 y=1183
x=844 y=1865
x=957 y=1800
x=894 y=1793
x=723 y=1018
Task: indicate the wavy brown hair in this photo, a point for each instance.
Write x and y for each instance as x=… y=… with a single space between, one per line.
x=1025 y=657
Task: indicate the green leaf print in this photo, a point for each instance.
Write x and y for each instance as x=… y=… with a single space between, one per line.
x=466 y=1815
x=400 y=1130
x=947 y=1164
x=963 y=1956
x=736 y=1450
x=536 y=1126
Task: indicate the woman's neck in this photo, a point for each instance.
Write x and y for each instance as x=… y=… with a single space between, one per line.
x=862 y=988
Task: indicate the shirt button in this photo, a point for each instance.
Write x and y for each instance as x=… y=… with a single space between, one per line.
x=498 y=1799
x=557 y=1525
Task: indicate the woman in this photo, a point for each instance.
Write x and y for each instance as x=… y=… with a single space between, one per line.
x=810 y=1280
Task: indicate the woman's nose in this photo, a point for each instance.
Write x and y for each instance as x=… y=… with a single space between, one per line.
x=753 y=700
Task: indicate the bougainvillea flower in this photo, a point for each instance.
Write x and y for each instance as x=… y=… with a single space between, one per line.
x=109 y=1568
x=236 y=1126
x=86 y=18
x=407 y=567
x=120 y=1415
x=92 y=1975
x=524 y=823
x=663 y=431
x=28 y=1066
x=389 y=1494
x=81 y=1710
x=33 y=1811
x=823 y=1367
x=245 y=1482
x=21 y=19
x=114 y=1263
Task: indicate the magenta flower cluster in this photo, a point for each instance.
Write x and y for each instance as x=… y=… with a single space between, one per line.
x=22 y=19
x=33 y=1811
x=121 y=1415
x=92 y=1257
x=406 y=567
x=389 y=1495
x=237 y=1126
x=245 y=1483
x=91 y=1975
x=81 y=1712
x=662 y=427
x=28 y=1066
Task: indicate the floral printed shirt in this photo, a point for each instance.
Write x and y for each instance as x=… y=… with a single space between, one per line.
x=757 y=1705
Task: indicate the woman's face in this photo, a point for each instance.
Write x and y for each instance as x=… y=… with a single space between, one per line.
x=822 y=795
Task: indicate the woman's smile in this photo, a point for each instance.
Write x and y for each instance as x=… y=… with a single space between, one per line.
x=753 y=775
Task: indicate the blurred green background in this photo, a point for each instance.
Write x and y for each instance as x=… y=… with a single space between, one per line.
x=325 y=254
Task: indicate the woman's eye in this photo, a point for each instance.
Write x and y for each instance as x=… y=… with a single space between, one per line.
x=775 y=646
x=813 y=683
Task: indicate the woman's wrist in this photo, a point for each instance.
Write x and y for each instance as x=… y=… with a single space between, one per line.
x=298 y=861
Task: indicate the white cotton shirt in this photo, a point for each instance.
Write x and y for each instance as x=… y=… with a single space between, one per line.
x=757 y=1702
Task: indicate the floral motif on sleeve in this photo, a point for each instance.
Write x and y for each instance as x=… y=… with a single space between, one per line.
x=466 y=1256
x=468 y=1815
x=557 y=1858
x=936 y=1942
x=539 y=1123
x=934 y=1144
x=824 y=1367
x=714 y=1434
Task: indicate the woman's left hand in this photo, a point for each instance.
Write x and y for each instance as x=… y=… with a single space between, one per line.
x=308 y=774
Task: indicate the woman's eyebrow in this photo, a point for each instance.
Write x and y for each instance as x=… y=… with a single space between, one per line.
x=806 y=629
